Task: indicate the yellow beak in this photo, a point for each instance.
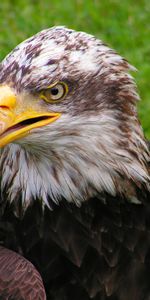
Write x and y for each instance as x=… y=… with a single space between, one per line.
x=16 y=121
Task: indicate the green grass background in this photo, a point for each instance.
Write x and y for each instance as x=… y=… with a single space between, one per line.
x=122 y=24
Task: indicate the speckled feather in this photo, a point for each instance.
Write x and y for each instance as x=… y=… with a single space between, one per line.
x=75 y=193
x=18 y=278
x=100 y=108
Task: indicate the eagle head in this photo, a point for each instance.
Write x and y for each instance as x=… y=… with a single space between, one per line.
x=68 y=121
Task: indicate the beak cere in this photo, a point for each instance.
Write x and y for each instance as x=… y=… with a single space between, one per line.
x=15 y=125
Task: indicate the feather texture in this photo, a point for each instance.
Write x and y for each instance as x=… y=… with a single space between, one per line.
x=18 y=278
x=98 y=251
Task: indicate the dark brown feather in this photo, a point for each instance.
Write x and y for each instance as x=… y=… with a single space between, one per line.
x=99 y=251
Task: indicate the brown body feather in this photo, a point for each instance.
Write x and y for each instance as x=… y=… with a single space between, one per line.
x=98 y=251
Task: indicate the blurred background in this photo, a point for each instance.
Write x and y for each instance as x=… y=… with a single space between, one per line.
x=123 y=24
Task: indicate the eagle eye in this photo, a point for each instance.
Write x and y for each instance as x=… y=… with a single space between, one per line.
x=55 y=92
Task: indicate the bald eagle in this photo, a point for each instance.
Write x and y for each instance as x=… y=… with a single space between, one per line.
x=74 y=168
